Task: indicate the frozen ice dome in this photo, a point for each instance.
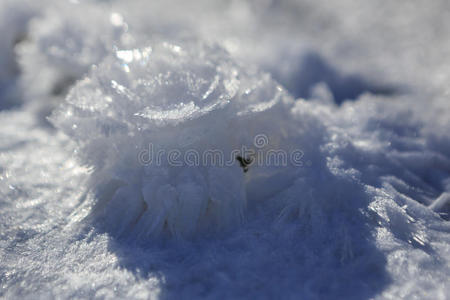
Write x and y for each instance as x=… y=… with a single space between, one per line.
x=184 y=97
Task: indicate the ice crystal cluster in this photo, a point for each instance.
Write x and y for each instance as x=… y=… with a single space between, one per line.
x=144 y=101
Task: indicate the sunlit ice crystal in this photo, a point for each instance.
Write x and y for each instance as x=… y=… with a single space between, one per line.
x=160 y=126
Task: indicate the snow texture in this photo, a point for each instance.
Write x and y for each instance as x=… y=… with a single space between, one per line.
x=357 y=90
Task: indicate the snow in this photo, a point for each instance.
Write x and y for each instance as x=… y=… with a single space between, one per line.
x=13 y=20
x=355 y=94
x=60 y=50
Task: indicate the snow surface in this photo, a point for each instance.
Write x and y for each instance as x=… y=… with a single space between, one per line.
x=359 y=90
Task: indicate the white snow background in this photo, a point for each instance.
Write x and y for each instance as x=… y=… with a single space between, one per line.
x=360 y=89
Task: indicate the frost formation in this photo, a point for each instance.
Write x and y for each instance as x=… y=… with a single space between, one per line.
x=192 y=97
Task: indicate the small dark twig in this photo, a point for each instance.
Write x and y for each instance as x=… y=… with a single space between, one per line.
x=244 y=162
